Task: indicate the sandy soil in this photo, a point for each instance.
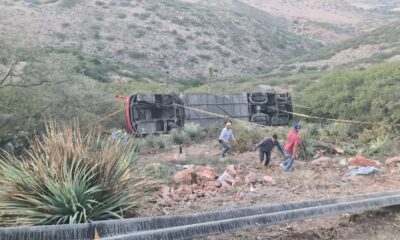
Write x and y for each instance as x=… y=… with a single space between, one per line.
x=304 y=182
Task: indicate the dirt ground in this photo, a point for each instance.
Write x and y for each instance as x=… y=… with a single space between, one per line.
x=305 y=182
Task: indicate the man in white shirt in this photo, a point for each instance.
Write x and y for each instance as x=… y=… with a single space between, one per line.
x=226 y=136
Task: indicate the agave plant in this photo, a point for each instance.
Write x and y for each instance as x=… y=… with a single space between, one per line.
x=193 y=130
x=377 y=145
x=69 y=177
x=178 y=136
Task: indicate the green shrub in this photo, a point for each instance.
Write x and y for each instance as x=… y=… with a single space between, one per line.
x=377 y=145
x=247 y=136
x=121 y=15
x=69 y=177
x=153 y=141
x=368 y=95
x=179 y=137
x=193 y=130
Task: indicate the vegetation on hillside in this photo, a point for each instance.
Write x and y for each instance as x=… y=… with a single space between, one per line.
x=368 y=95
x=386 y=37
x=168 y=35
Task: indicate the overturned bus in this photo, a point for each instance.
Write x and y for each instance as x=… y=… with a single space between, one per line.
x=150 y=113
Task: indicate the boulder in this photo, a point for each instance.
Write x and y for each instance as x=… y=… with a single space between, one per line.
x=322 y=162
x=269 y=180
x=392 y=160
x=187 y=176
x=362 y=161
x=206 y=173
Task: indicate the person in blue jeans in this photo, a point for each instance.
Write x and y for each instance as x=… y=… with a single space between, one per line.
x=292 y=147
x=226 y=136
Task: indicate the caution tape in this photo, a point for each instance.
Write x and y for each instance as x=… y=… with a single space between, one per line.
x=340 y=120
x=295 y=114
x=111 y=114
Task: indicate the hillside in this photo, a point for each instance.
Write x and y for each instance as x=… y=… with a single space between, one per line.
x=376 y=46
x=180 y=38
x=330 y=20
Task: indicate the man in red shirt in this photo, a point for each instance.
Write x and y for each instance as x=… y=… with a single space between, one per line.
x=292 y=147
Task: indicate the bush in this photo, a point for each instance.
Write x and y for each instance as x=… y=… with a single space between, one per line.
x=179 y=136
x=193 y=130
x=69 y=177
x=368 y=95
x=153 y=141
x=247 y=136
x=377 y=145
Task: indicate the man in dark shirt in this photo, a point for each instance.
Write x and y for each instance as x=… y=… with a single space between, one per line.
x=265 y=148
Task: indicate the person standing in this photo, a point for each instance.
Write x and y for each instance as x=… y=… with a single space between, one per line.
x=292 y=147
x=226 y=136
x=265 y=148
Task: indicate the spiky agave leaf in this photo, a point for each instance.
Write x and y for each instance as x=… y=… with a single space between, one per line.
x=70 y=177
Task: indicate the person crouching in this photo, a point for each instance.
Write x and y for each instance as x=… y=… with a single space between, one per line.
x=265 y=148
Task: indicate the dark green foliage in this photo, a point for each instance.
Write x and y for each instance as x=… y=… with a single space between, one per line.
x=370 y=95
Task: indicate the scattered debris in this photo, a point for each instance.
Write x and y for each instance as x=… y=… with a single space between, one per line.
x=362 y=171
x=187 y=176
x=269 y=179
x=205 y=173
x=362 y=161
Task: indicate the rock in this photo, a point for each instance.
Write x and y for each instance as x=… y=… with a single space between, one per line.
x=195 y=187
x=212 y=184
x=322 y=162
x=164 y=190
x=187 y=176
x=231 y=170
x=392 y=160
x=270 y=180
x=175 y=197
x=250 y=178
x=204 y=174
x=362 y=161
x=184 y=190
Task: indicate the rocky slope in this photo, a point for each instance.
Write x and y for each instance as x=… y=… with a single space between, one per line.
x=174 y=37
